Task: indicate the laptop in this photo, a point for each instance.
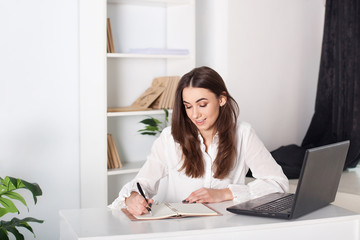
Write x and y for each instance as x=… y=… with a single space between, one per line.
x=318 y=183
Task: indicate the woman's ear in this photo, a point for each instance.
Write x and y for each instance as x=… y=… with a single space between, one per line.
x=222 y=99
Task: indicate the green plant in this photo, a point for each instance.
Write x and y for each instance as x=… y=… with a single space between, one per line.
x=154 y=126
x=8 y=185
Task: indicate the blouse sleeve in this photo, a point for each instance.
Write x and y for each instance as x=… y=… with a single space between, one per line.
x=268 y=175
x=149 y=175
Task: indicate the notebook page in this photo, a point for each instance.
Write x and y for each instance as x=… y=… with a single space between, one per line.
x=193 y=209
x=157 y=212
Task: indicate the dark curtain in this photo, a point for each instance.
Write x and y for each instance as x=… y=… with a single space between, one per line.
x=337 y=106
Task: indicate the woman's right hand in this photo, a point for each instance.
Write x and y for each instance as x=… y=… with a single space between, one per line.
x=136 y=204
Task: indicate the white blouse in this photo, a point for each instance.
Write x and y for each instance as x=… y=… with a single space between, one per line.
x=165 y=161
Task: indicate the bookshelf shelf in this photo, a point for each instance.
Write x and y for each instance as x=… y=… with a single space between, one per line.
x=136 y=113
x=130 y=167
x=151 y=2
x=134 y=55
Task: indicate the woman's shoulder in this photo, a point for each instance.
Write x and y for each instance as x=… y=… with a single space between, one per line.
x=166 y=134
x=244 y=130
x=165 y=137
x=243 y=126
x=166 y=131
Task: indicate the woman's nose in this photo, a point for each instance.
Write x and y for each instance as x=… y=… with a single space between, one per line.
x=195 y=113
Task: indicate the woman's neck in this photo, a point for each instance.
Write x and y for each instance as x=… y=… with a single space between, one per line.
x=208 y=137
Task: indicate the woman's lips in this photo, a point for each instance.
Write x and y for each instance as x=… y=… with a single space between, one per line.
x=200 y=122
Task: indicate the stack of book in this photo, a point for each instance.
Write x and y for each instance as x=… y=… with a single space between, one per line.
x=113 y=156
x=110 y=41
x=161 y=94
x=167 y=97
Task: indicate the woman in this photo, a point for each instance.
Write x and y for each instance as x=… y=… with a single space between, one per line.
x=205 y=154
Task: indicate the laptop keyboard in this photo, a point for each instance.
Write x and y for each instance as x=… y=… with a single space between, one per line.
x=277 y=205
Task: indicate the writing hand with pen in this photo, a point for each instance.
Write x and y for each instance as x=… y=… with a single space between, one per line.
x=137 y=204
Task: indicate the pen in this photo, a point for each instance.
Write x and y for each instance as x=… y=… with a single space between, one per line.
x=142 y=194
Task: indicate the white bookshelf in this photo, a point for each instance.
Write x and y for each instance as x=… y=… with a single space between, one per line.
x=110 y=80
x=142 y=24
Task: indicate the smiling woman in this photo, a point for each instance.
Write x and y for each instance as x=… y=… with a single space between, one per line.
x=211 y=109
x=206 y=153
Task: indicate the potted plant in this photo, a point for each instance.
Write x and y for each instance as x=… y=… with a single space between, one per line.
x=154 y=126
x=8 y=186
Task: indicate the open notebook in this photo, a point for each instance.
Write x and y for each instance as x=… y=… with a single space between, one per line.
x=175 y=210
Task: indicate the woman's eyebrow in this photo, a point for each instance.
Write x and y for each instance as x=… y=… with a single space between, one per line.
x=200 y=99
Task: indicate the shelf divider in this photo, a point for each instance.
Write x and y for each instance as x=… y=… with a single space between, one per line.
x=136 y=55
x=129 y=167
x=137 y=113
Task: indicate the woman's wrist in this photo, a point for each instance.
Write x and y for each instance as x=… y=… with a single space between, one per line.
x=227 y=193
x=129 y=198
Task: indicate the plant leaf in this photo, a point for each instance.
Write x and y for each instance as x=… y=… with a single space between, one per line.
x=152 y=128
x=8 y=205
x=31 y=219
x=151 y=121
x=3 y=234
x=8 y=185
x=166 y=115
x=16 y=196
x=148 y=133
x=14 y=181
x=16 y=233
x=3 y=189
x=149 y=128
x=27 y=226
x=15 y=222
x=148 y=121
x=34 y=188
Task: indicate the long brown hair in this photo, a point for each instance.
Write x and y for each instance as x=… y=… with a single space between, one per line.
x=186 y=133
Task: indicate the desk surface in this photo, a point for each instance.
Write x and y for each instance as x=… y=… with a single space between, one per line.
x=104 y=223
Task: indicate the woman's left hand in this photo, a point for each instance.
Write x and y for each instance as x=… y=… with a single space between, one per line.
x=208 y=195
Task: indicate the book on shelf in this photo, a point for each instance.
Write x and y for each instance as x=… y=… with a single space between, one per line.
x=113 y=155
x=174 y=210
x=110 y=40
x=161 y=94
x=165 y=99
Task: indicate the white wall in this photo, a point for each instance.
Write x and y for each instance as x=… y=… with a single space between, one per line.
x=212 y=27
x=268 y=52
x=39 y=105
x=269 y=57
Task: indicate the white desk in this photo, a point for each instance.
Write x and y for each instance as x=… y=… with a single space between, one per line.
x=331 y=222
